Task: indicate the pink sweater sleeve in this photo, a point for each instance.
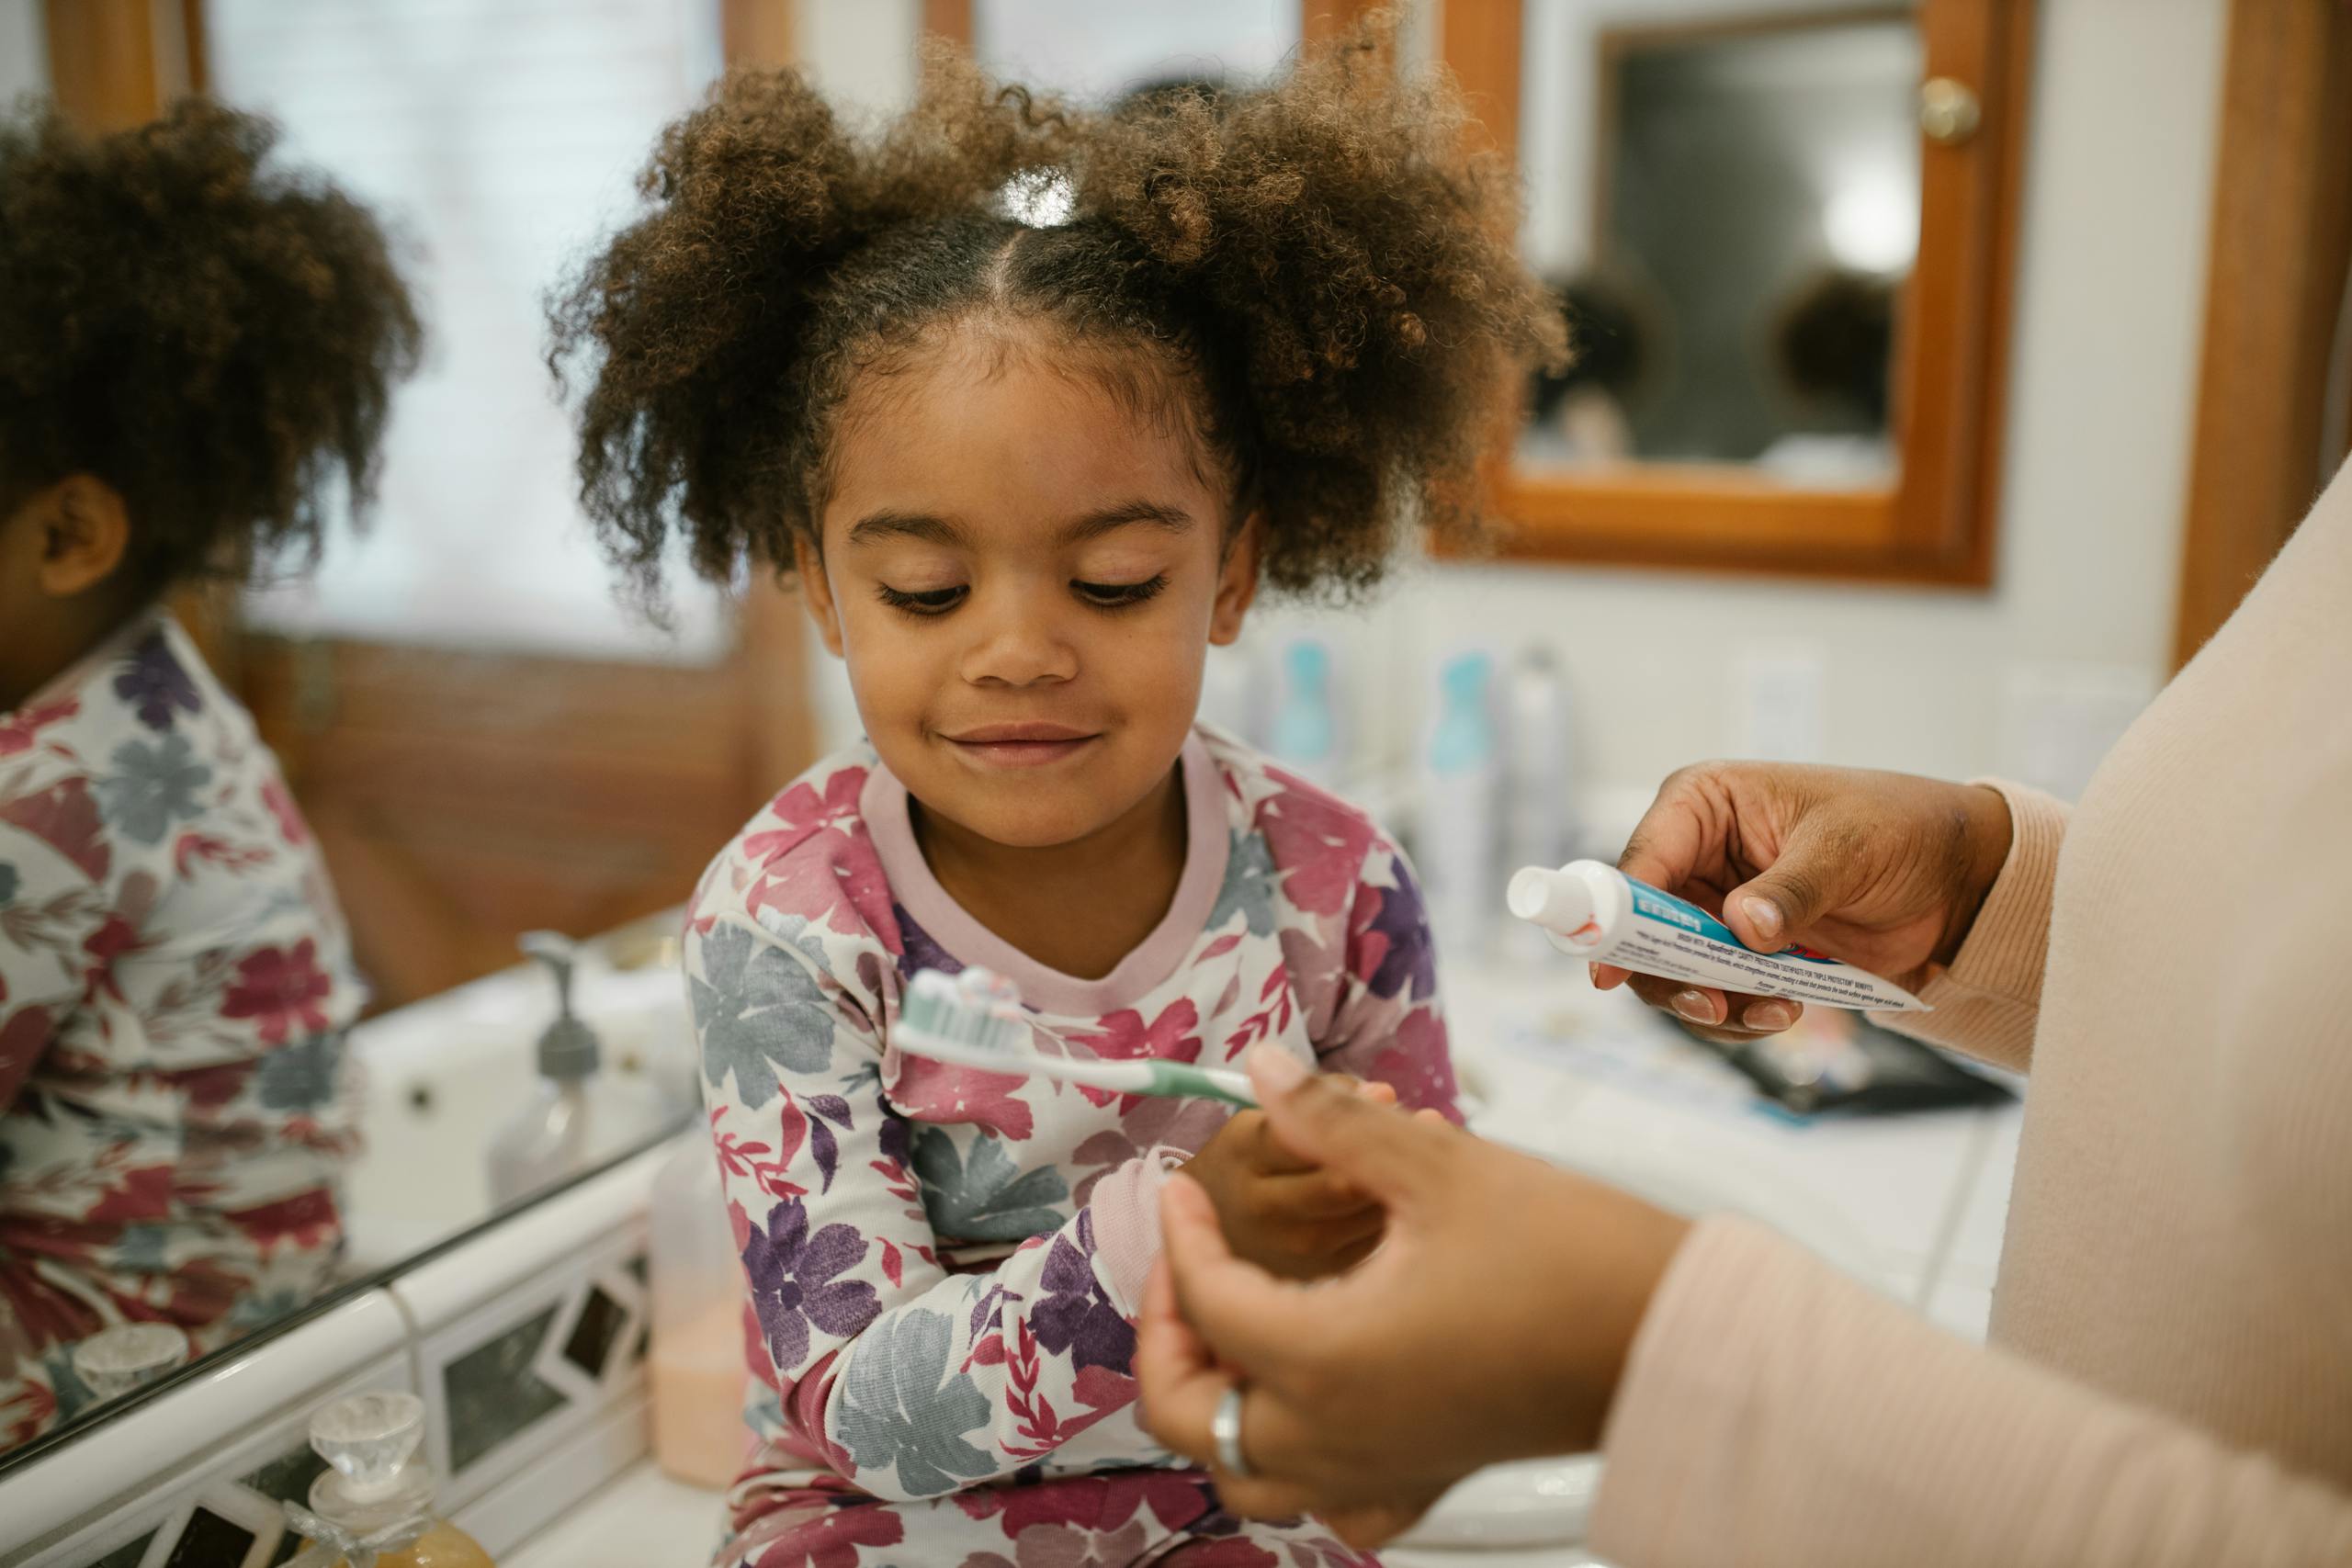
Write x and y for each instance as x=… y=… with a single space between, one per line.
x=1986 y=1002
x=1775 y=1412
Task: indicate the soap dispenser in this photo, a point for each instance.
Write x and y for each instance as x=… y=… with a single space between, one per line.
x=577 y=1114
x=373 y=1507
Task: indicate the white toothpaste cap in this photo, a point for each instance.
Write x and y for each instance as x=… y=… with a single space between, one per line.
x=1560 y=901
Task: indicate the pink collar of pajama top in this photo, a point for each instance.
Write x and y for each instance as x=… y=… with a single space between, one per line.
x=943 y=1264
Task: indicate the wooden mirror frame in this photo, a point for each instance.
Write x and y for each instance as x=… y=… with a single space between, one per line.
x=1935 y=523
x=2277 y=309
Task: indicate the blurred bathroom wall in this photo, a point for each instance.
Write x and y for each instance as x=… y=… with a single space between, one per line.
x=2111 y=280
x=23 y=54
x=2030 y=679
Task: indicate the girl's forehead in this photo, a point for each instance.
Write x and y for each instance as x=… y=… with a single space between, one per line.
x=995 y=438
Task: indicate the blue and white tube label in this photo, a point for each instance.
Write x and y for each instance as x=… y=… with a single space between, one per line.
x=1676 y=938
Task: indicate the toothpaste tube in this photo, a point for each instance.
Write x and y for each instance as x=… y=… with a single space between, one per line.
x=1594 y=911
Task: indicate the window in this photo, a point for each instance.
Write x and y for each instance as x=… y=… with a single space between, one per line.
x=500 y=139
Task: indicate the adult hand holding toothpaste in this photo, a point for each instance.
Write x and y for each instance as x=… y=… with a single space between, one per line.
x=1881 y=872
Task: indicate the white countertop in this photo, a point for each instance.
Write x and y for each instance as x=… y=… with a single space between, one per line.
x=1912 y=1204
x=647 y=1520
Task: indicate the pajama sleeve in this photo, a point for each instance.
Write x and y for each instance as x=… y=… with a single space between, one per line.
x=53 y=903
x=1775 y=1413
x=1989 y=1001
x=1388 y=1026
x=912 y=1381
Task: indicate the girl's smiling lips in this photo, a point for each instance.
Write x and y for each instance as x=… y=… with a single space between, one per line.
x=1032 y=743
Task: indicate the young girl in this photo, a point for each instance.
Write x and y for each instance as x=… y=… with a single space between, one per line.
x=1026 y=476
x=192 y=345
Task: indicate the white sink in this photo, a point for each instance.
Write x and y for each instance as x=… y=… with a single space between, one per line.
x=442 y=1075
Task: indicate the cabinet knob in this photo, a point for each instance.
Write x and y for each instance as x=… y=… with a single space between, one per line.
x=1948 y=112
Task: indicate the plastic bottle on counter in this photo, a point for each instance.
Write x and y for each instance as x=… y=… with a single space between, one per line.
x=577 y=1115
x=1540 y=819
x=696 y=1366
x=373 y=1508
x=1305 y=734
x=1459 y=853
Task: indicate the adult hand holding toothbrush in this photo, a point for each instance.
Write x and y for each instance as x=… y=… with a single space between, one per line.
x=1492 y=1323
x=2167 y=1378
x=1282 y=1211
x=1437 y=1356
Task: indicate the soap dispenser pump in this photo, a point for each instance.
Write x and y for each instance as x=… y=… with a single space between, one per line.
x=373 y=1507
x=576 y=1113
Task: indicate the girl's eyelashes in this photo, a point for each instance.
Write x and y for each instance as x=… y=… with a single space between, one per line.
x=930 y=602
x=1120 y=595
x=1101 y=595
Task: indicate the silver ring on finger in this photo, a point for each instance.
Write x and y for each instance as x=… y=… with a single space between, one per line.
x=1225 y=1431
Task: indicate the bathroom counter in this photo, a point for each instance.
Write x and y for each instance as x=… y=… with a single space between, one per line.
x=644 y=1520
x=639 y=1519
x=1913 y=1205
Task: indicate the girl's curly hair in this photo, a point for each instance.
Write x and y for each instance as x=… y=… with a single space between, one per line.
x=1327 y=273
x=214 y=337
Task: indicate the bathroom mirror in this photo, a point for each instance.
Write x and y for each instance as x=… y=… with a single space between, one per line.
x=1782 y=236
x=83 y=1405
x=445 y=1082
x=483 y=738
x=1755 y=214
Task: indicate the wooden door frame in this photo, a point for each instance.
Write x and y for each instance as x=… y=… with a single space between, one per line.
x=117 y=63
x=2274 y=294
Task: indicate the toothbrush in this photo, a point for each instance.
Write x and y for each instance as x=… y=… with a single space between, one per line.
x=975 y=1021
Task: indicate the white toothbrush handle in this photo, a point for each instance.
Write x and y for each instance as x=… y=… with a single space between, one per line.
x=1149 y=1076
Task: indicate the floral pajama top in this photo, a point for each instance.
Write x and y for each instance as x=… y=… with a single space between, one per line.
x=174 y=983
x=945 y=1265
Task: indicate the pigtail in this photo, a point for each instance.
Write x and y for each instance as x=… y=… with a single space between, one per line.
x=1323 y=252
x=692 y=342
x=1356 y=267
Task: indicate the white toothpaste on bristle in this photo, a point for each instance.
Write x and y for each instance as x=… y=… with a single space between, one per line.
x=1596 y=912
